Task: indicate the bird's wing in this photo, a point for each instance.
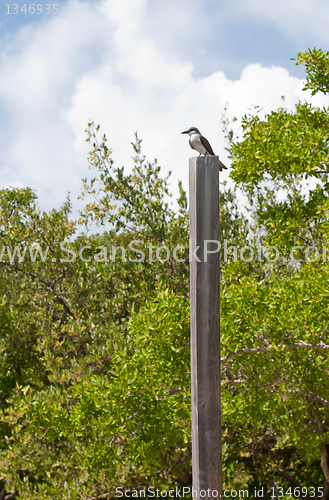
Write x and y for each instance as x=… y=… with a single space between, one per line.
x=206 y=145
x=222 y=166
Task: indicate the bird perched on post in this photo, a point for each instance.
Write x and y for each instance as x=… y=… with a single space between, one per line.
x=201 y=144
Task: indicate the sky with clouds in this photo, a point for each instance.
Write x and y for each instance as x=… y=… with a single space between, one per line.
x=152 y=66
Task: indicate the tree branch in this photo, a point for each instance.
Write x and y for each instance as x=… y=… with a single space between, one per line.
x=16 y=268
x=104 y=495
x=253 y=350
x=3 y=493
x=324 y=455
x=319 y=399
x=285 y=475
x=62 y=300
x=56 y=280
x=324 y=462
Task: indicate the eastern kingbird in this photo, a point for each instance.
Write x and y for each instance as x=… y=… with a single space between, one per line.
x=201 y=144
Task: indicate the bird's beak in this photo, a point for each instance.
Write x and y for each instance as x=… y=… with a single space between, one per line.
x=186 y=132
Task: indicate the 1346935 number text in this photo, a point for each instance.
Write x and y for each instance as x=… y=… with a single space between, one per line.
x=298 y=492
x=32 y=8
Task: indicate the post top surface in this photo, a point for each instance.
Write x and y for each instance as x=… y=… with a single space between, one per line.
x=204 y=161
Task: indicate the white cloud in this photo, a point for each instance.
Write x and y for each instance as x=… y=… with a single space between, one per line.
x=94 y=61
x=39 y=66
x=126 y=14
x=161 y=116
x=295 y=17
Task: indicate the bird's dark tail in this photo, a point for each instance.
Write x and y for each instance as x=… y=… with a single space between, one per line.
x=221 y=166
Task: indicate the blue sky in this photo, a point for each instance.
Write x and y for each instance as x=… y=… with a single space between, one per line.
x=154 y=66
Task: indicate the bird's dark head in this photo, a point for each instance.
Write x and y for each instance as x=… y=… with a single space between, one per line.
x=191 y=130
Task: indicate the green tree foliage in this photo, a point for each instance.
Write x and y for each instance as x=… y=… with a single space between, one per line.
x=277 y=368
x=77 y=343
x=316 y=64
x=273 y=163
x=95 y=370
x=275 y=383
x=125 y=427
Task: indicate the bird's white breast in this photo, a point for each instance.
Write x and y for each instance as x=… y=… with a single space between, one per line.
x=196 y=143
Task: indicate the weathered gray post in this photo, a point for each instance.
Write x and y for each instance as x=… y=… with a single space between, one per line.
x=205 y=333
